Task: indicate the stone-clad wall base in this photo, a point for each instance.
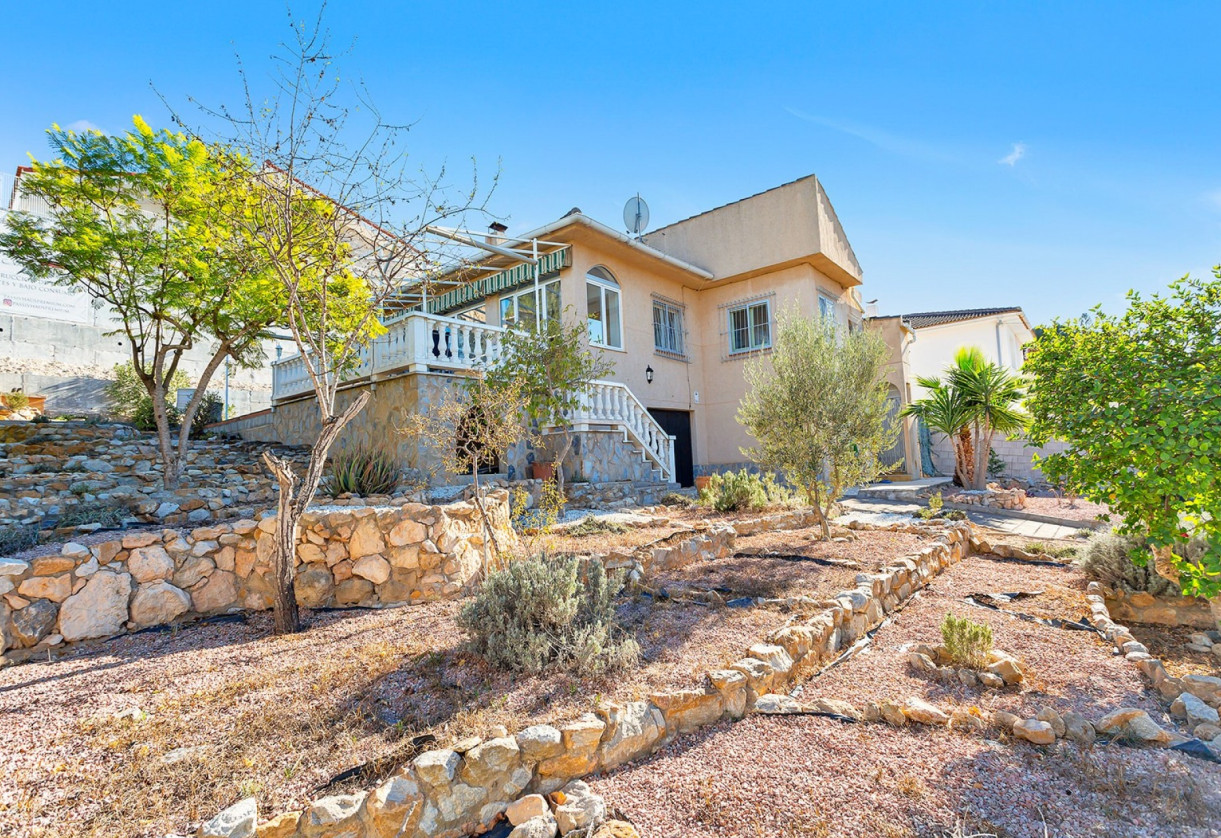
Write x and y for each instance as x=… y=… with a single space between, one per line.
x=452 y=793
x=362 y=556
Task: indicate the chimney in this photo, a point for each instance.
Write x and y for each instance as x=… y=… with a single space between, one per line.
x=496 y=232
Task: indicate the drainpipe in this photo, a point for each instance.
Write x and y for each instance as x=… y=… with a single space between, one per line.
x=1000 y=359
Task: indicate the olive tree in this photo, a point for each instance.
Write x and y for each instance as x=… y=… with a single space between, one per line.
x=816 y=408
x=1137 y=396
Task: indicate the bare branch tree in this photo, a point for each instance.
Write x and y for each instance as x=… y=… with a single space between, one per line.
x=342 y=220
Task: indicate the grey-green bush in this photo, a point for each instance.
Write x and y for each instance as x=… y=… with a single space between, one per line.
x=1108 y=558
x=737 y=491
x=549 y=611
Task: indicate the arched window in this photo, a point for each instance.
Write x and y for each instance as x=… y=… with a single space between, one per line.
x=603 y=312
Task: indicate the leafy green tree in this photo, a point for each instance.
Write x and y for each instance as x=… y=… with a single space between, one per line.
x=555 y=365
x=144 y=222
x=1138 y=397
x=129 y=399
x=816 y=407
x=975 y=401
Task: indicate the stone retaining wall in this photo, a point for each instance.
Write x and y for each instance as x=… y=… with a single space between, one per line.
x=992 y=498
x=346 y=557
x=451 y=792
x=1144 y=607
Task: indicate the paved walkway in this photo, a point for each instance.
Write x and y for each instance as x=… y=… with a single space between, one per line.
x=884 y=511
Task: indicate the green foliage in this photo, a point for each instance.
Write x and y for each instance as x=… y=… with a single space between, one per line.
x=677 y=499
x=146 y=222
x=996 y=465
x=17 y=400
x=933 y=510
x=106 y=513
x=41 y=419
x=816 y=406
x=363 y=471
x=1122 y=561
x=1138 y=398
x=545 y=513
x=146 y=420
x=554 y=366
x=1065 y=552
x=129 y=399
x=743 y=490
x=592 y=525
x=967 y=642
x=17 y=537
x=211 y=409
x=549 y=612
x=974 y=401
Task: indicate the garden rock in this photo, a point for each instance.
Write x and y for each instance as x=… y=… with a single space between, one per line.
x=281 y=826
x=394 y=807
x=337 y=816
x=1033 y=730
x=616 y=829
x=581 y=808
x=1205 y=687
x=238 y=821
x=540 y=742
x=99 y=610
x=1078 y=729
x=1135 y=726
x=892 y=713
x=544 y=826
x=150 y=564
x=525 y=808
x=632 y=731
x=1047 y=714
x=1207 y=732
x=921 y=712
x=1195 y=711
x=158 y=602
x=34 y=622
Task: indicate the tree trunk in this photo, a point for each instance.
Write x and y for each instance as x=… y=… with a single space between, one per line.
x=983 y=448
x=822 y=515
x=171 y=465
x=284 y=558
x=968 y=457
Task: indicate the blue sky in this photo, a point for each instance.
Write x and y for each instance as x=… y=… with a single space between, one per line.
x=1046 y=155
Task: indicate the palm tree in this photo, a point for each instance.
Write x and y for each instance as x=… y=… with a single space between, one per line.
x=975 y=401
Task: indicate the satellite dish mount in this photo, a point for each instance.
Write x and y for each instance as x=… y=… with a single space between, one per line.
x=636 y=215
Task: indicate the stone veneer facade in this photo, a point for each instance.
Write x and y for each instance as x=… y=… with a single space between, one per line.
x=362 y=556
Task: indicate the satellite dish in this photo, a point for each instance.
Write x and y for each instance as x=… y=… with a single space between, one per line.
x=636 y=215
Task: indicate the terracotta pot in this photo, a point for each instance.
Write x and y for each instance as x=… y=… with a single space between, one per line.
x=542 y=471
x=702 y=481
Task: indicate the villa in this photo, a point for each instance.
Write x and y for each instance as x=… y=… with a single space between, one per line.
x=678 y=310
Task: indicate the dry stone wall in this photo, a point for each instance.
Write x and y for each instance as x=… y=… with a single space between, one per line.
x=346 y=557
x=451 y=792
x=1144 y=607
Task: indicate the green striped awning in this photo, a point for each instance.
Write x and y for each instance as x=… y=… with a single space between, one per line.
x=506 y=280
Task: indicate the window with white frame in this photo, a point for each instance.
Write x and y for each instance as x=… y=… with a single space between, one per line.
x=523 y=307
x=750 y=326
x=826 y=307
x=603 y=311
x=668 y=328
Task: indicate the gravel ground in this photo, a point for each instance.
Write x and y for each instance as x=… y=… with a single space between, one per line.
x=1170 y=644
x=772 y=776
x=1070 y=510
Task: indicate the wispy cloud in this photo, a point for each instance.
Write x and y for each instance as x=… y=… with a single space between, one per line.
x=892 y=143
x=1010 y=159
x=83 y=125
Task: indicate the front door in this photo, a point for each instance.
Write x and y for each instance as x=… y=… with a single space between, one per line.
x=677 y=423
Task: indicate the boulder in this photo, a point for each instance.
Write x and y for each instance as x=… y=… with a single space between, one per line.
x=581 y=808
x=314 y=588
x=1033 y=730
x=491 y=765
x=238 y=821
x=353 y=591
x=150 y=564
x=580 y=754
x=966 y=721
x=1135 y=726
x=777 y=704
x=1206 y=687
x=1207 y=732
x=217 y=594
x=525 y=808
x=1078 y=729
x=632 y=730
x=921 y=712
x=99 y=609
x=366 y=538
x=1008 y=670
x=337 y=816
x=540 y=742
x=544 y=826
x=1047 y=714
x=156 y=603
x=34 y=622
x=686 y=710
x=892 y=713
x=833 y=705
x=1194 y=710
x=374 y=568
x=281 y=826
x=616 y=829
x=13 y=567
x=54 y=588
x=395 y=807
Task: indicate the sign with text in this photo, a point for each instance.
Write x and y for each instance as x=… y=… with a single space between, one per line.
x=22 y=295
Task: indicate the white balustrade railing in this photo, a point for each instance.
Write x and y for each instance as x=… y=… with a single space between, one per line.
x=417 y=342
x=613 y=403
x=413 y=342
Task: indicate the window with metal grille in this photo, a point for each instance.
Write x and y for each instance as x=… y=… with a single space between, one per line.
x=667 y=328
x=750 y=327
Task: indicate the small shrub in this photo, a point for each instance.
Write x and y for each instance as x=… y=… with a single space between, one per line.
x=211 y=409
x=128 y=396
x=18 y=537
x=1109 y=558
x=362 y=471
x=596 y=526
x=142 y=417
x=540 y=612
x=676 y=499
x=933 y=510
x=966 y=641
x=106 y=514
x=741 y=490
x=1065 y=552
x=545 y=513
x=41 y=419
x=996 y=465
x=17 y=400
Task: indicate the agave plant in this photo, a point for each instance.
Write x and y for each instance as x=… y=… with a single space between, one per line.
x=363 y=471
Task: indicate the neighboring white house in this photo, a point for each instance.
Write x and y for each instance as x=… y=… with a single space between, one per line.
x=923 y=344
x=1000 y=333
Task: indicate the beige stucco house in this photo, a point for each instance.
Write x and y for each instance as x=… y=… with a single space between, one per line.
x=678 y=311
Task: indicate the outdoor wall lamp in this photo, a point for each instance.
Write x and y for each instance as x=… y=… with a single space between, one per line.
x=648 y=374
